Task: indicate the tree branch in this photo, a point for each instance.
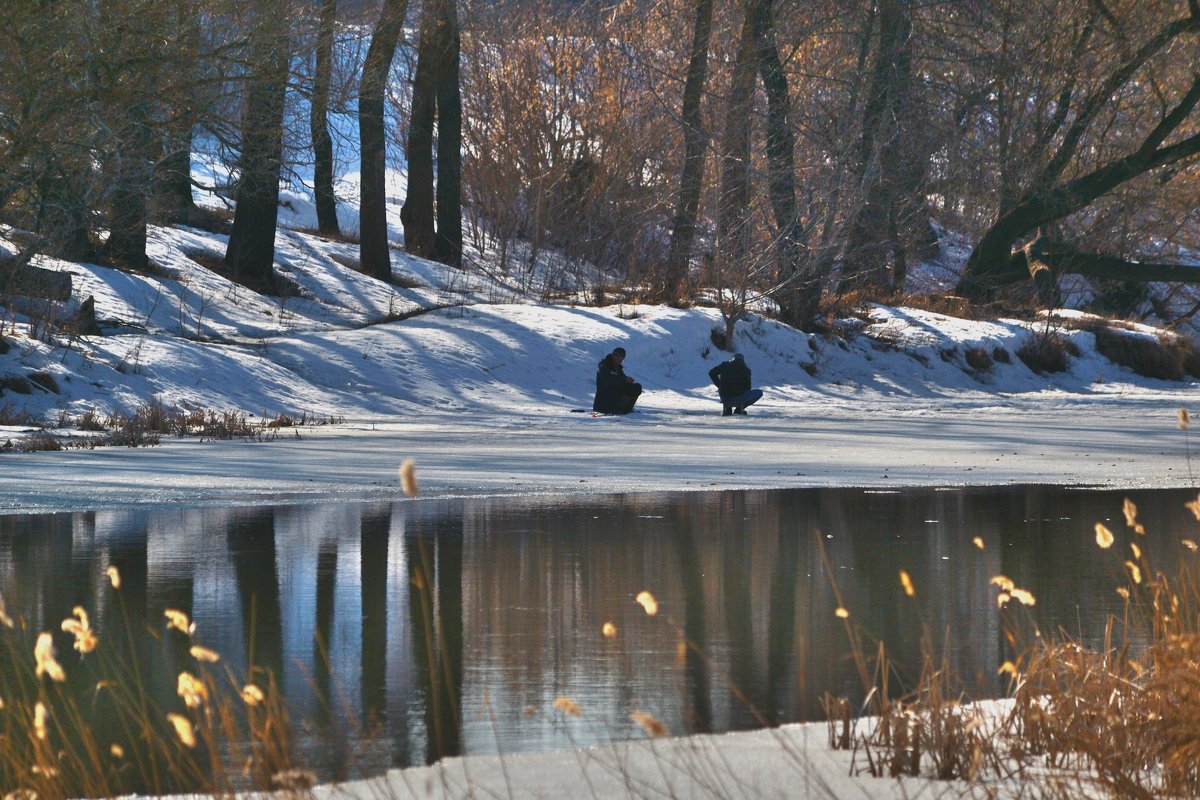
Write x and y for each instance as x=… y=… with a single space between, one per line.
x=1092 y=106
x=1172 y=120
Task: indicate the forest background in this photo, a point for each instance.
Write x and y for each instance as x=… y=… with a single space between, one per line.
x=673 y=151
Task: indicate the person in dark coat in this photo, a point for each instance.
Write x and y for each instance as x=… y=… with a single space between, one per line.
x=732 y=379
x=616 y=392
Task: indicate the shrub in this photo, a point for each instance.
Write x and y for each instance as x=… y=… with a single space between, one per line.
x=15 y=383
x=979 y=360
x=45 y=380
x=131 y=434
x=154 y=416
x=1146 y=355
x=40 y=441
x=10 y=416
x=1001 y=356
x=227 y=425
x=1191 y=358
x=1168 y=357
x=1047 y=352
x=90 y=421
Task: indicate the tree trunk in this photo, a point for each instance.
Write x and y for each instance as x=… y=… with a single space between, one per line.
x=800 y=294
x=128 y=207
x=251 y=251
x=1043 y=255
x=322 y=143
x=173 y=202
x=417 y=212
x=373 y=232
x=734 y=211
x=127 y=153
x=172 y=194
x=990 y=264
x=695 y=141
x=870 y=247
x=447 y=246
x=61 y=214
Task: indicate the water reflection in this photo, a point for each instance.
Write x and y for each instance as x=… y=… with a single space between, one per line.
x=403 y=632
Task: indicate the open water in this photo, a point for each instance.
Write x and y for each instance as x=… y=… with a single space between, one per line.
x=401 y=632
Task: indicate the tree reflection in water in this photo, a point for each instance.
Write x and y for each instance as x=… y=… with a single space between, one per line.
x=404 y=632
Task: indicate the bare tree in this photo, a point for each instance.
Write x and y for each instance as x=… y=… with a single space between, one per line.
x=172 y=200
x=799 y=291
x=734 y=215
x=432 y=215
x=322 y=143
x=691 y=179
x=250 y=254
x=875 y=259
x=448 y=244
x=417 y=213
x=373 y=234
x=1072 y=178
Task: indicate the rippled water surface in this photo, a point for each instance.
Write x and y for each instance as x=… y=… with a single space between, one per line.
x=403 y=631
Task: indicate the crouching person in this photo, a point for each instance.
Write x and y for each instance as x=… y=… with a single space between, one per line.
x=732 y=379
x=616 y=392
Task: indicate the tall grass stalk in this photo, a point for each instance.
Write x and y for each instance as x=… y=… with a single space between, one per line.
x=87 y=726
x=1120 y=721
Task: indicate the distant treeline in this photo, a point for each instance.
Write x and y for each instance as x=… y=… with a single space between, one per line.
x=803 y=152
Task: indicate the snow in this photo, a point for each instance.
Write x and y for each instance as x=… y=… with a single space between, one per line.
x=788 y=762
x=480 y=393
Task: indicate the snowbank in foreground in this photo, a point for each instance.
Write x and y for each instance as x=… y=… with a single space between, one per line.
x=792 y=761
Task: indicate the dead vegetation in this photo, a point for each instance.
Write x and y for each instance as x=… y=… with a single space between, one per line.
x=146 y=425
x=1163 y=355
x=1047 y=352
x=1122 y=721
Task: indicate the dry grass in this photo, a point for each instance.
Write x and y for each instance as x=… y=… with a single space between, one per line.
x=1167 y=356
x=225 y=733
x=1046 y=352
x=948 y=304
x=1119 y=722
x=145 y=426
x=978 y=359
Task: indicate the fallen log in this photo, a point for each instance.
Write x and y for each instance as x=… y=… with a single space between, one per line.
x=1044 y=260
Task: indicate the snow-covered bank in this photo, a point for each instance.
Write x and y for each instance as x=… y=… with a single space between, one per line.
x=479 y=391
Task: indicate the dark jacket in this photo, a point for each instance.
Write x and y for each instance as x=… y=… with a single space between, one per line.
x=731 y=377
x=611 y=388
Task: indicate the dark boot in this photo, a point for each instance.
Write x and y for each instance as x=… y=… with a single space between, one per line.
x=739 y=410
x=727 y=411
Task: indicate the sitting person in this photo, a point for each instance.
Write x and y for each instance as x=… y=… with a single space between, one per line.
x=732 y=379
x=616 y=392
